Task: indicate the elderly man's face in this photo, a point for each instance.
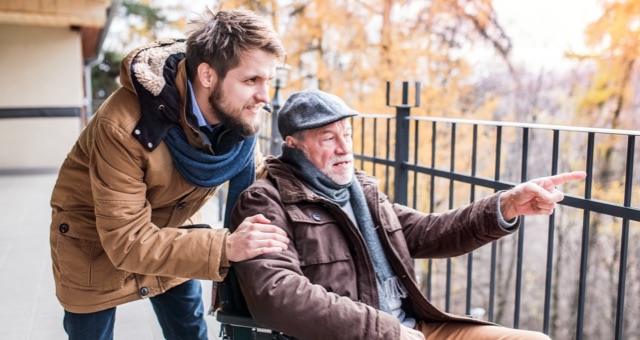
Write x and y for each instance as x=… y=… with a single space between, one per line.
x=329 y=148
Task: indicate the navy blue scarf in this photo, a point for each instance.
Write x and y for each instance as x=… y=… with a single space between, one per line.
x=205 y=170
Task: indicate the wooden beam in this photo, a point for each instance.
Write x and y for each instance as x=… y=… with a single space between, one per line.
x=90 y=36
x=52 y=20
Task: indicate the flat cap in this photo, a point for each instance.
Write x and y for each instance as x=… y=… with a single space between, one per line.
x=310 y=109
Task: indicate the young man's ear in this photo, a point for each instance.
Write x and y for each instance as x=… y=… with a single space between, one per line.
x=207 y=75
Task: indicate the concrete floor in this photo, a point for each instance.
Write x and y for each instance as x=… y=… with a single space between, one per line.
x=28 y=305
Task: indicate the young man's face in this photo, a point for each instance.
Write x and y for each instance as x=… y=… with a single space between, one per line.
x=238 y=98
x=329 y=148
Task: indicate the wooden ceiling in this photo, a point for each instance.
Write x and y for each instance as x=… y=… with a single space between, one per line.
x=55 y=13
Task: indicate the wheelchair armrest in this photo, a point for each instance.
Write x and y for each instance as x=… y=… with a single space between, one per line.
x=235 y=319
x=242 y=327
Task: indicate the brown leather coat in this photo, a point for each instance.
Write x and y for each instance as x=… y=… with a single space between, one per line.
x=323 y=286
x=119 y=202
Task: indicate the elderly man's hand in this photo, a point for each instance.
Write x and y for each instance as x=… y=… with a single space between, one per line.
x=537 y=196
x=253 y=237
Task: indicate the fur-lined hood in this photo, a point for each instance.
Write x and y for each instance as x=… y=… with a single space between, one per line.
x=156 y=73
x=146 y=65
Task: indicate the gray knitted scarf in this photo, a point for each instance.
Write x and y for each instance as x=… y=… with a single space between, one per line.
x=389 y=285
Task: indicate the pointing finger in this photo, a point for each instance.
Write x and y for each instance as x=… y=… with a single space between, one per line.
x=567 y=177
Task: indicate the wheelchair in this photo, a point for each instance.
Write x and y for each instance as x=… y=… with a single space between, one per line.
x=235 y=319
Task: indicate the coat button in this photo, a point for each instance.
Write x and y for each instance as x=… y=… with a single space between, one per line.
x=137 y=132
x=316 y=216
x=144 y=291
x=182 y=205
x=161 y=107
x=63 y=228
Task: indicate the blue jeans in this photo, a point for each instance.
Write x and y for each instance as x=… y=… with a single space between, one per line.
x=179 y=311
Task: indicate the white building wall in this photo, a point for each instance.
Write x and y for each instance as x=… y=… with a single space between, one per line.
x=40 y=68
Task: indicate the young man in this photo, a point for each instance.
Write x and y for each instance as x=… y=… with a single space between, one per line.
x=348 y=271
x=124 y=222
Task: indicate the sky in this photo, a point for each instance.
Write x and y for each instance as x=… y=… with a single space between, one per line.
x=543 y=30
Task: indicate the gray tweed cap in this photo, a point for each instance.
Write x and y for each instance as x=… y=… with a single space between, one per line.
x=310 y=109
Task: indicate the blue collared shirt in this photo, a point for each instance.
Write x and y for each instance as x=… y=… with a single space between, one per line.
x=196 y=109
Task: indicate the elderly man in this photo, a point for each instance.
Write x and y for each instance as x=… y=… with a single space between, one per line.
x=347 y=273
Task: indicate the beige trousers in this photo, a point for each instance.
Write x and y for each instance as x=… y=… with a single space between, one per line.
x=466 y=331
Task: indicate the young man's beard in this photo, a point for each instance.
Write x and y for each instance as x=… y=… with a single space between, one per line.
x=230 y=119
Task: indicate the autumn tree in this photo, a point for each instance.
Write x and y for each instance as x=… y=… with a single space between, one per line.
x=609 y=101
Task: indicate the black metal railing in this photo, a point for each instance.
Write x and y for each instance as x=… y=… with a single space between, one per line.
x=435 y=164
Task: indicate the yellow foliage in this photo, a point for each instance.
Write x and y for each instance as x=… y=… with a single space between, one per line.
x=615 y=46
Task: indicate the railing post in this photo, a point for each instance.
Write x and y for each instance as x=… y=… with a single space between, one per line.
x=403 y=111
x=276 y=103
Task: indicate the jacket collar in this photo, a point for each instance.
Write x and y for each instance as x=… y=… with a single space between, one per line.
x=158 y=113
